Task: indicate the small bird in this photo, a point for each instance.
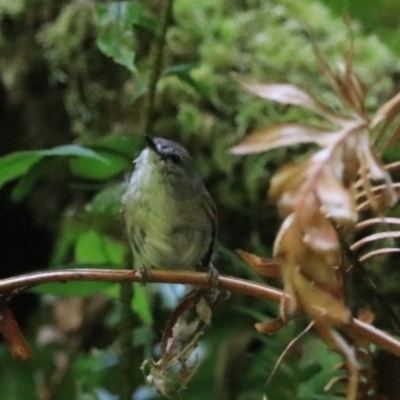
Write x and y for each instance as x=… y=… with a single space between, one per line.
x=170 y=216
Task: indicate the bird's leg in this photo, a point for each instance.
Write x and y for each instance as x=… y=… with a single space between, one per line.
x=144 y=275
x=213 y=277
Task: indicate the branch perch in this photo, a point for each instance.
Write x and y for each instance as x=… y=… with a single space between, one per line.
x=355 y=328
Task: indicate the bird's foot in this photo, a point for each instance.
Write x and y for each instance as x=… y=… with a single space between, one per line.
x=144 y=275
x=213 y=277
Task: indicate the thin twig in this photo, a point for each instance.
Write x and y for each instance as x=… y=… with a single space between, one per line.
x=355 y=328
x=285 y=351
x=158 y=50
x=127 y=360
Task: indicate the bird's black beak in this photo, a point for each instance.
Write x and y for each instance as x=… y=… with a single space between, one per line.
x=151 y=144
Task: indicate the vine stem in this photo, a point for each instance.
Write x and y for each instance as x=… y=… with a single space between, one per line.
x=128 y=321
x=157 y=63
x=355 y=328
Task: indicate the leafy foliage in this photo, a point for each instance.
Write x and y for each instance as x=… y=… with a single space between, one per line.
x=115 y=40
x=78 y=72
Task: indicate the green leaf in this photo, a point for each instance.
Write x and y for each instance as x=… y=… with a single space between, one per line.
x=115 y=21
x=16 y=164
x=116 y=151
x=71 y=150
x=93 y=248
x=28 y=180
x=90 y=168
x=128 y=146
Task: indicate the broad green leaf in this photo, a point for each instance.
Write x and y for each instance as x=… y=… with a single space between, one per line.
x=115 y=21
x=122 y=54
x=128 y=146
x=71 y=150
x=28 y=180
x=16 y=164
x=90 y=168
x=119 y=13
x=93 y=248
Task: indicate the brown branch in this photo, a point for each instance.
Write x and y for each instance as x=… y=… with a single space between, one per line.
x=356 y=329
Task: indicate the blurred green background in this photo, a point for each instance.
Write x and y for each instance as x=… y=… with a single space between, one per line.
x=73 y=78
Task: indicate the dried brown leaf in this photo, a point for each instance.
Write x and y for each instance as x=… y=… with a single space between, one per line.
x=394 y=166
x=337 y=202
x=358 y=94
x=282 y=135
x=352 y=91
x=171 y=374
x=263 y=266
x=285 y=187
x=393 y=139
x=366 y=315
x=387 y=196
x=317 y=257
x=178 y=362
x=391 y=107
x=270 y=327
x=181 y=333
x=167 y=381
x=286 y=93
x=336 y=342
x=13 y=336
x=325 y=67
x=374 y=165
x=204 y=311
x=317 y=302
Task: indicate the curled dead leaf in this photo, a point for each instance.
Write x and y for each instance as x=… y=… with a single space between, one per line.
x=13 y=336
x=179 y=361
x=286 y=93
x=265 y=267
x=392 y=106
x=270 y=327
x=321 y=305
x=280 y=135
x=366 y=315
x=285 y=187
x=337 y=202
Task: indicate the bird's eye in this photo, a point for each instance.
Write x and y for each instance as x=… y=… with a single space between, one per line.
x=175 y=159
